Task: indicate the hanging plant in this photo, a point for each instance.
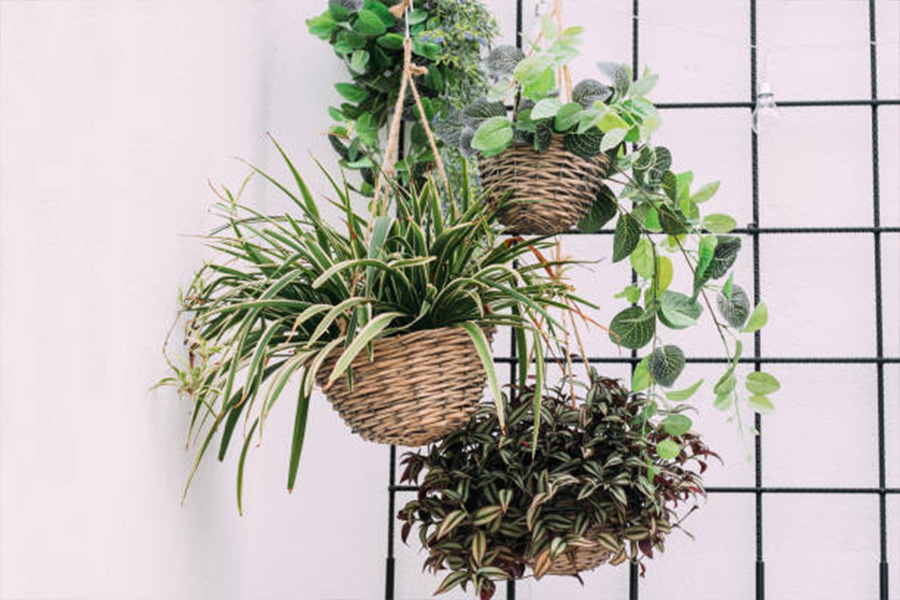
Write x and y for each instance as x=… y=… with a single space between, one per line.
x=602 y=484
x=448 y=37
x=391 y=316
x=592 y=160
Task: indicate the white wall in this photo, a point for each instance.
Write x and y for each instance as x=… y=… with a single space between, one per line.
x=114 y=114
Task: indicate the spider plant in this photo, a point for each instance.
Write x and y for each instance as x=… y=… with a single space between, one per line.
x=285 y=292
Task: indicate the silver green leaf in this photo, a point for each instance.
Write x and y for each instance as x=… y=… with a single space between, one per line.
x=632 y=328
x=627 y=235
x=735 y=309
x=666 y=364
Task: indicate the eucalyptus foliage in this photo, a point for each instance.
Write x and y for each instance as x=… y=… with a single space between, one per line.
x=606 y=469
x=285 y=292
x=447 y=38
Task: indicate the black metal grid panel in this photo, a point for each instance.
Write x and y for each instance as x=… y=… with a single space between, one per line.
x=755 y=233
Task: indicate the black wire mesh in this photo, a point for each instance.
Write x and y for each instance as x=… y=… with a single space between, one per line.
x=756 y=233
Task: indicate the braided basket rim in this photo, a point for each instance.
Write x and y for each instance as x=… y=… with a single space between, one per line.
x=431 y=386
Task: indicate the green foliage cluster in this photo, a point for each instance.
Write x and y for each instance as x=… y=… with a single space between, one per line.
x=656 y=212
x=606 y=470
x=597 y=119
x=285 y=293
x=447 y=38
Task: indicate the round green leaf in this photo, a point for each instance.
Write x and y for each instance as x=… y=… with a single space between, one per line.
x=678 y=311
x=493 y=135
x=666 y=364
x=351 y=92
x=668 y=449
x=718 y=223
x=760 y=382
x=369 y=23
x=632 y=328
x=677 y=424
x=761 y=404
x=735 y=309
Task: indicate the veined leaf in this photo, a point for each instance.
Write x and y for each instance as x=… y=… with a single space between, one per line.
x=632 y=328
x=626 y=237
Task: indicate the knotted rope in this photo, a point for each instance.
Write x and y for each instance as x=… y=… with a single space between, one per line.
x=410 y=71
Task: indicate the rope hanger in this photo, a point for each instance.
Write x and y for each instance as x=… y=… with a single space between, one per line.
x=410 y=71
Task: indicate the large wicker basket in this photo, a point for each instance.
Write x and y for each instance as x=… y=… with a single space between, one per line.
x=418 y=388
x=550 y=191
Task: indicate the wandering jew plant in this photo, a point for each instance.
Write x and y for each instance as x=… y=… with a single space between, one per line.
x=284 y=293
x=605 y=482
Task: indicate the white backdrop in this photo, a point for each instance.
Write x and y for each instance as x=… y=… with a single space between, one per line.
x=114 y=114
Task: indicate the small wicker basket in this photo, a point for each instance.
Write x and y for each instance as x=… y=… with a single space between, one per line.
x=419 y=387
x=551 y=191
x=579 y=560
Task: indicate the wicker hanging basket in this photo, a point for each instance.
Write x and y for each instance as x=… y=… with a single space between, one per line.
x=418 y=388
x=550 y=191
x=579 y=561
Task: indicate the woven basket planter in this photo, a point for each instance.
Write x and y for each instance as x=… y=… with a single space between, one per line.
x=550 y=191
x=418 y=388
x=579 y=561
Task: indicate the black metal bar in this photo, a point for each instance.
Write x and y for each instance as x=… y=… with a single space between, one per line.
x=879 y=324
x=781 y=103
x=782 y=360
x=511 y=583
x=762 y=490
x=633 y=580
x=389 y=567
x=750 y=230
x=757 y=337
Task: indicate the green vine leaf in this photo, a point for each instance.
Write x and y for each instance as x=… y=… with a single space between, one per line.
x=626 y=237
x=602 y=211
x=640 y=378
x=588 y=91
x=666 y=364
x=760 y=382
x=351 y=92
x=632 y=328
x=761 y=404
x=718 y=223
x=493 y=135
x=677 y=424
x=677 y=311
x=668 y=449
x=585 y=144
x=368 y=23
x=735 y=309
x=727 y=249
x=705 y=193
x=503 y=60
x=685 y=394
x=758 y=319
x=642 y=258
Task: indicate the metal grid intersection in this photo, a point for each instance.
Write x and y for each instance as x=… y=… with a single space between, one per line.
x=755 y=233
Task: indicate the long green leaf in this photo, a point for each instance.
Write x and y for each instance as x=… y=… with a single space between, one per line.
x=368 y=333
x=484 y=353
x=240 y=471
x=299 y=434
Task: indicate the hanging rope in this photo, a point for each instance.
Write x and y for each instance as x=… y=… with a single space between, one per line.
x=410 y=71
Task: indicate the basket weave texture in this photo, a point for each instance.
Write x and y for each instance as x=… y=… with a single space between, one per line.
x=551 y=191
x=419 y=387
x=579 y=560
